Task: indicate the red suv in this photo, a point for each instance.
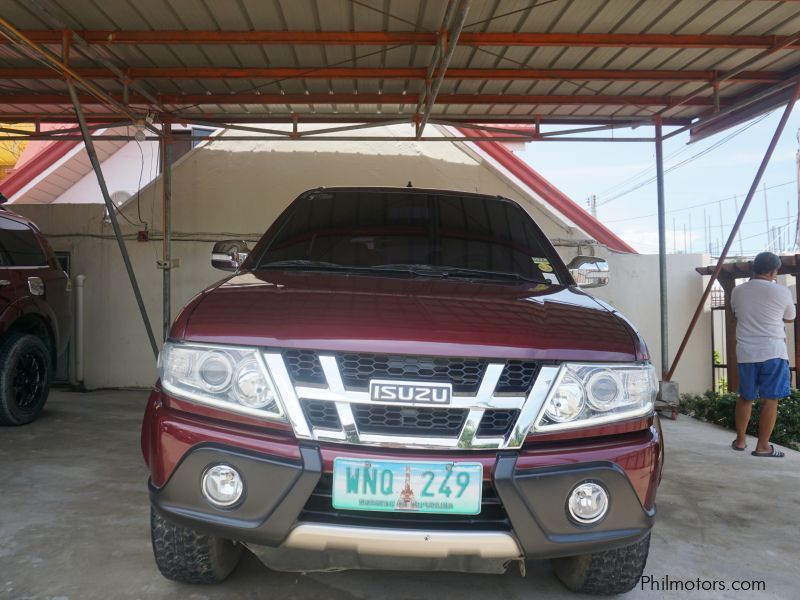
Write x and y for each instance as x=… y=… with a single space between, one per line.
x=403 y=379
x=35 y=318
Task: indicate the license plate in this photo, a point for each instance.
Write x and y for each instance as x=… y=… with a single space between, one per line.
x=399 y=486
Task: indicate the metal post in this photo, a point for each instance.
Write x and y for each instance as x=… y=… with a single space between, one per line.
x=112 y=213
x=662 y=249
x=167 y=225
x=723 y=255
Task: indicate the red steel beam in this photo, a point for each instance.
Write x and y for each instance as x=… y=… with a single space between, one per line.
x=134 y=73
x=227 y=117
x=388 y=38
x=282 y=100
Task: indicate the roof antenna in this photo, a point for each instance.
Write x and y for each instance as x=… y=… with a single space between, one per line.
x=409 y=184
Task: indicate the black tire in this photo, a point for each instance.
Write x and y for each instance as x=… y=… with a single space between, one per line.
x=25 y=375
x=610 y=572
x=189 y=556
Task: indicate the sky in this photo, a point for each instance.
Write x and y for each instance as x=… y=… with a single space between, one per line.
x=705 y=187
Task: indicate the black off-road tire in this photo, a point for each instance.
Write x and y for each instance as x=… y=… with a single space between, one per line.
x=610 y=572
x=26 y=371
x=189 y=556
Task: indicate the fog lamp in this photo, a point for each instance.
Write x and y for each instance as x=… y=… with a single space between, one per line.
x=588 y=502
x=222 y=485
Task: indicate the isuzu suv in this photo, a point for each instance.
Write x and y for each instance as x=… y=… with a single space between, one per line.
x=403 y=379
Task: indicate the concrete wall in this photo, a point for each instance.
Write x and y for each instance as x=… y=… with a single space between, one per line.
x=633 y=289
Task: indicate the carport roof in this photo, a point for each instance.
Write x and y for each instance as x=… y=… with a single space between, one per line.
x=564 y=61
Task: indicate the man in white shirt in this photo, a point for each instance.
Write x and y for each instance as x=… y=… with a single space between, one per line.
x=761 y=308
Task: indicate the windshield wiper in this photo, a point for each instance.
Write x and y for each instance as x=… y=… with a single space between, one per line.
x=444 y=271
x=420 y=270
x=301 y=264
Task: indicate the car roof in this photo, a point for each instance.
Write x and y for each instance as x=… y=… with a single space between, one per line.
x=5 y=212
x=413 y=191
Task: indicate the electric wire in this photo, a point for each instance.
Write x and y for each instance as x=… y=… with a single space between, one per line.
x=692 y=206
x=686 y=161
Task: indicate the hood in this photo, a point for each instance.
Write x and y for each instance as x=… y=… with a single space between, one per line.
x=388 y=314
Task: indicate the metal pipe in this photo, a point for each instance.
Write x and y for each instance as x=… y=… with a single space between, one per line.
x=662 y=250
x=222 y=118
x=355 y=138
x=80 y=280
x=361 y=99
x=41 y=55
x=452 y=42
x=437 y=53
x=402 y=73
x=723 y=255
x=166 y=264
x=99 y=55
x=112 y=37
x=732 y=73
x=112 y=213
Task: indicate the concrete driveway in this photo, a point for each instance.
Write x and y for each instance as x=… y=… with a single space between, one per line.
x=74 y=521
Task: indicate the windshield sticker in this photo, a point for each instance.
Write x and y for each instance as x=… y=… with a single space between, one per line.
x=543 y=264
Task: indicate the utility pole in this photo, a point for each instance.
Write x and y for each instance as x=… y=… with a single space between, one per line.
x=691 y=235
x=705 y=231
x=592 y=202
x=674 y=238
x=766 y=212
x=736 y=205
x=684 y=239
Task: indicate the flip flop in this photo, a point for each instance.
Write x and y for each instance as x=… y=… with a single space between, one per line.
x=735 y=447
x=772 y=454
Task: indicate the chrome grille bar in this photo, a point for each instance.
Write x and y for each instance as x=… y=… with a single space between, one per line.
x=476 y=405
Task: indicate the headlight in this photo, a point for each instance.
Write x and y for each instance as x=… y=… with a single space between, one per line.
x=226 y=377
x=586 y=394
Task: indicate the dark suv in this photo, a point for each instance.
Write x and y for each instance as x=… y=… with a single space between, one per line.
x=403 y=379
x=35 y=318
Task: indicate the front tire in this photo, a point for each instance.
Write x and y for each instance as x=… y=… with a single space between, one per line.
x=189 y=556
x=25 y=375
x=610 y=572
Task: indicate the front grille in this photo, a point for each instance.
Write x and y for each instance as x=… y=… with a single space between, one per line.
x=319 y=509
x=497 y=423
x=358 y=369
x=304 y=367
x=405 y=420
x=518 y=377
x=321 y=414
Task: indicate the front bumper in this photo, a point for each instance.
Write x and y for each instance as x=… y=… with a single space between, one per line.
x=531 y=484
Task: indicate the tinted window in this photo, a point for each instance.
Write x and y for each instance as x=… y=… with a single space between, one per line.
x=19 y=246
x=370 y=229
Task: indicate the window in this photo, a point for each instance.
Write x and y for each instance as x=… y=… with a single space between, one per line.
x=19 y=246
x=372 y=228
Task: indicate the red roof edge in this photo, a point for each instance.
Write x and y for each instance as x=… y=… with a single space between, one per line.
x=21 y=177
x=552 y=195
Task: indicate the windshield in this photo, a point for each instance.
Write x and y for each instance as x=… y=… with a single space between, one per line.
x=461 y=236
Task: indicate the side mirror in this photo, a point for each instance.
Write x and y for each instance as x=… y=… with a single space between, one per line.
x=589 y=271
x=229 y=255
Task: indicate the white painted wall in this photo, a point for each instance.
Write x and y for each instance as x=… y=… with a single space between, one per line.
x=633 y=289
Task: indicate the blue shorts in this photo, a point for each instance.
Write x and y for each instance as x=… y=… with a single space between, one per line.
x=768 y=379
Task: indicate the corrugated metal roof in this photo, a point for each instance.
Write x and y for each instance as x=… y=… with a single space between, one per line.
x=176 y=35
